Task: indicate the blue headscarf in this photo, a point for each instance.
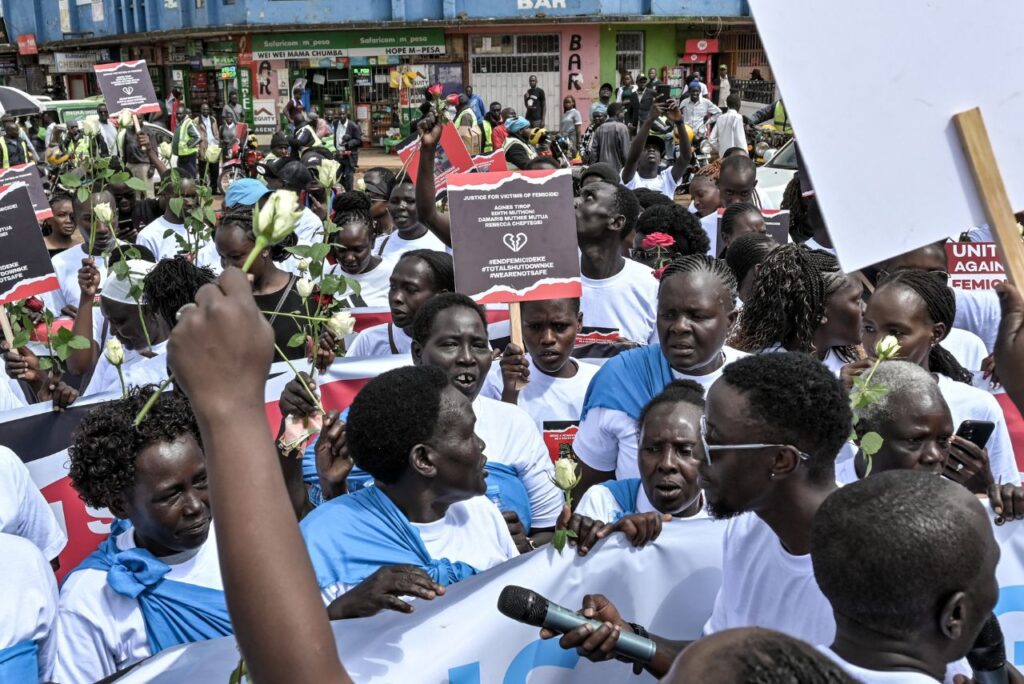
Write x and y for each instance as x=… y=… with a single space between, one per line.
x=517 y=124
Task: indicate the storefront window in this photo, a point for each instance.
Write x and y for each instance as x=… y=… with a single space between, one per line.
x=629 y=52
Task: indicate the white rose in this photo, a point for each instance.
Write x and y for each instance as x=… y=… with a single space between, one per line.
x=91 y=125
x=103 y=213
x=304 y=286
x=328 y=173
x=125 y=118
x=342 y=323
x=887 y=347
x=303 y=265
x=114 y=351
x=213 y=154
x=566 y=474
x=278 y=217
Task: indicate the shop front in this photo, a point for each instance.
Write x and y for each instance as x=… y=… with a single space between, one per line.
x=76 y=71
x=376 y=74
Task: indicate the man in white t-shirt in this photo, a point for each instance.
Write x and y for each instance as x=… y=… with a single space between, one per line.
x=23 y=510
x=27 y=612
x=646 y=153
x=619 y=295
x=737 y=182
x=426 y=509
x=773 y=425
x=910 y=601
x=728 y=131
x=164 y=236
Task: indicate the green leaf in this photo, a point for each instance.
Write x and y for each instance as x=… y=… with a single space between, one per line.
x=137 y=184
x=21 y=339
x=298 y=250
x=354 y=285
x=211 y=215
x=83 y=194
x=871 y=443
x=571 y=534
x=319 y=251
x=297 y=340
x=63 y=351
x=121 y=269
x=71 y=180
x=79 y=342
x=120 y=177
x=558 y=541
x=45 y=363
x=176 y=204
x=64 y=335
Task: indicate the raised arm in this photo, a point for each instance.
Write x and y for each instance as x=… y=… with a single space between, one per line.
x=83 y=361
x=675 y=115
x=426 y=202
x=284 y=636
x=636 y=148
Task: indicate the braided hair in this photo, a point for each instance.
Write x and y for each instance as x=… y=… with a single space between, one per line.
x=793 y=200
x=352 y=207
x=702 y=263
x=931 y=287
x=747 y=251
x=241 y=217
x=172 y=284
x=788 y=303
x=674 y=220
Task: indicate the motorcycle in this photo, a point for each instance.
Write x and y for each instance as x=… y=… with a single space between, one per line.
x=239 y=161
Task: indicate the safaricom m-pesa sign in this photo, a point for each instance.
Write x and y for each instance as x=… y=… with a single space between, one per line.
x=313 y=45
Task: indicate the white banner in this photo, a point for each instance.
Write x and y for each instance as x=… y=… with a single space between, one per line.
x=461 y=638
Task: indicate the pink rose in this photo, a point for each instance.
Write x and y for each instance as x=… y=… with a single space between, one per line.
x=658 y=240
x=453 y=99
x=436 y=89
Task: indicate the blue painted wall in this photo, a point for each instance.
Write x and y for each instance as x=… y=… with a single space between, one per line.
x=42 y=17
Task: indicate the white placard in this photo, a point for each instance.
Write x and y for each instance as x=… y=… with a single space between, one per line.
x=872 y=90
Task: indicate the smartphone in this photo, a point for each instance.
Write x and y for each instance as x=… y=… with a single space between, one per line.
x=663 y=92
x=977 y=432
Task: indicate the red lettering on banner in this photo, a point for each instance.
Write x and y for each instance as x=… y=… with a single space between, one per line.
x=84 y=529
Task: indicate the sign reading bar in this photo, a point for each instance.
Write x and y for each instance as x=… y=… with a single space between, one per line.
x=514 y=235
x=25 y=267
x=127 y=85
x=974 y=265
x=28 y=175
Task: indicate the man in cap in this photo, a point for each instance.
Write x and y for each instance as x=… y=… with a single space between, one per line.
x=698 y=109
x=518 y=152
x=724 y=88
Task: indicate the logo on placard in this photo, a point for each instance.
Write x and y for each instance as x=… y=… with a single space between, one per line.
x=128 y=90
x=514 y=242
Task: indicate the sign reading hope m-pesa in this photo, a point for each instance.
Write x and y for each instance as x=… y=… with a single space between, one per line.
x=514 y=235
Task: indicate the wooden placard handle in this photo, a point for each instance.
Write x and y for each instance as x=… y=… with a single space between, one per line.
x=515 y=320
x=5 y=325
x=978 y=149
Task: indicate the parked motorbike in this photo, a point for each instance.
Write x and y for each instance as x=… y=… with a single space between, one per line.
x=239 y=161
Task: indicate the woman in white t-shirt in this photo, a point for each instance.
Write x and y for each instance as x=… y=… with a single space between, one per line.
x=669 y=451
x=450 y=333
x=546 y=381
x=802 y=301
x=696 y=309
x=27 y=613
x=571 y=125
x=352 y=252
x=155 y=582
x=918 y=309
x=417 y=276
x=408 y=233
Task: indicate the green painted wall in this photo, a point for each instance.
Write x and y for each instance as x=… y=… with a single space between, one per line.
x=662 y=45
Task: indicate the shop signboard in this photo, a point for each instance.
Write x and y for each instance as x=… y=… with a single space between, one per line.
x=245 y=93
x=79 y=62
x=264 y=115
x=27 y=44
x=322 y=44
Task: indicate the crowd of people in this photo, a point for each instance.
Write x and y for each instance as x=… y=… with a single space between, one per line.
x=727 y=386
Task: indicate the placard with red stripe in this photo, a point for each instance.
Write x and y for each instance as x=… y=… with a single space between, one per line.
x=514 y=235
x=28 y=174
x=127 y=85
x=25 y=267
x=974 y=265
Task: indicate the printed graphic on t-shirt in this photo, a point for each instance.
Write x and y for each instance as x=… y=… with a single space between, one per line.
x=558 y=437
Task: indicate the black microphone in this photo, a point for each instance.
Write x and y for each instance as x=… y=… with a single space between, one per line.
x=524 y=605
x=988 y=655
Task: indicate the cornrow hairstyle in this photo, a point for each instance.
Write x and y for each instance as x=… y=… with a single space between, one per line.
x=733 y=212
x=787 y=306
x=702 y=263
x=941 y=306
x=649 y=198
x=352 y=207
x=710 y=170
x=241 y=217
x=675 y=392
x=676 y=221
x=423 y=324
x=106 y=444
x=779 y=659
x=793 y=200
x=440 y=263
x=172 y=284
x=747 y=251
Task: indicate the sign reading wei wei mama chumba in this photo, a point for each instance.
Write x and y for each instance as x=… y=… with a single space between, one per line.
x=514 y=235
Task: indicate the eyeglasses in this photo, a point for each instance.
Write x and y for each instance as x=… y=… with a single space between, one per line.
x=708 y=448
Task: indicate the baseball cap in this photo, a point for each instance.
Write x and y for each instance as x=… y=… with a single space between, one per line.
x=602 y=170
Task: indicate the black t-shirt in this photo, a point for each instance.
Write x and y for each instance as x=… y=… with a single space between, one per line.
x=535 y=104
x=284 y=326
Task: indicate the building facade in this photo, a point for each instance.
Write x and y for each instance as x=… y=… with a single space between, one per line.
x=379 y=57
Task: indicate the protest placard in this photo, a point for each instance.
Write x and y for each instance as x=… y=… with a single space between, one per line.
x=25 y=267
x=28 y=174
x=450 y=157
x=919 y=147
x=514 y=235
x=127 y=85
x=495 y=161
x=973 y=265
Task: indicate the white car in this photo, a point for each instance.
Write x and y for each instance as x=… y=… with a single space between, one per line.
x=774 y=175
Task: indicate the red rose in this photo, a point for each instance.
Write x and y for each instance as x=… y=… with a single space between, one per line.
x=453 y=99
x=658 y=273
x=35 y=304
x=658 y=240
x=436 y=89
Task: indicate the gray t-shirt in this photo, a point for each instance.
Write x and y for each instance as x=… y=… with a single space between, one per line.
x=569 y=121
